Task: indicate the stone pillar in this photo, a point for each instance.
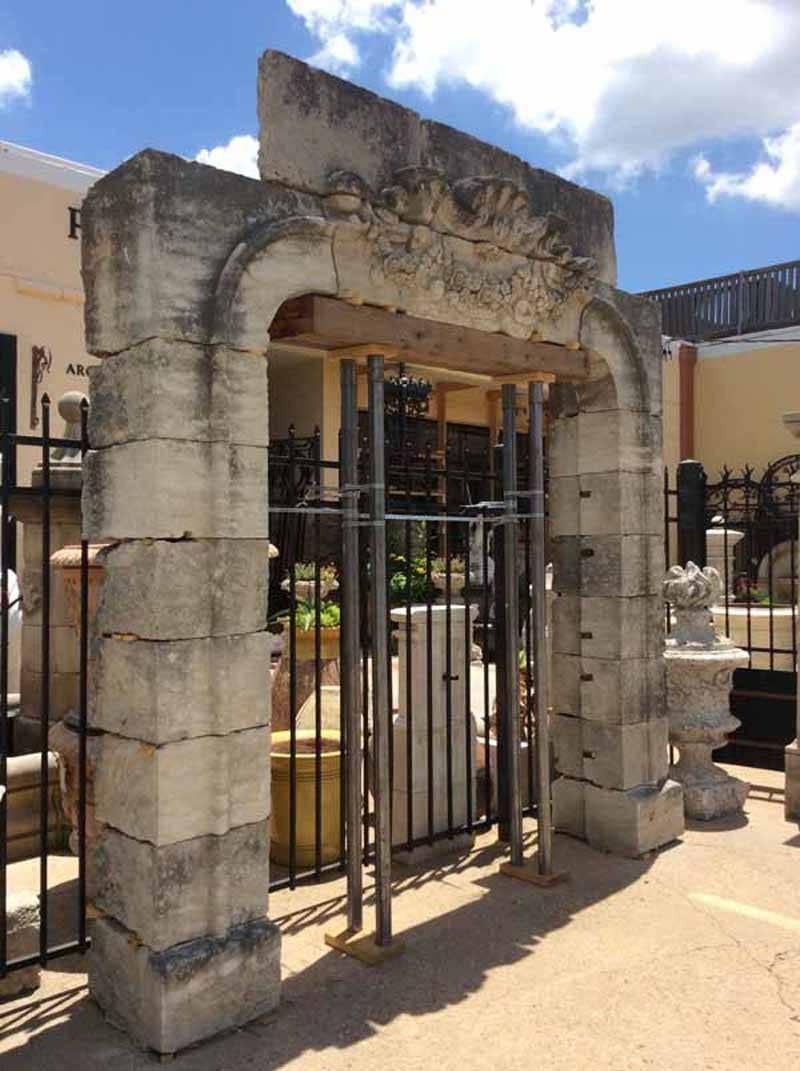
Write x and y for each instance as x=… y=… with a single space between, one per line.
x=176 y=478
x=700 y=666
x=792 y=753
x=417 y=646
x=609 y=724
x=65 y=528
x=721 y=544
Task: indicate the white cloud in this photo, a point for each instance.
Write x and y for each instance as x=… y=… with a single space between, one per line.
x=624 y=85
x=16 y=76
x=239 y=155
x=774 y=180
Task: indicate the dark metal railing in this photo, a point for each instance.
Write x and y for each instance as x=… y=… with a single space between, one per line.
x=756 y=300
x=753 y=522
x=45 y=494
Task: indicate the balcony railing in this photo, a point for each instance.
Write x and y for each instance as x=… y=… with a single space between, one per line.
x=756 y=300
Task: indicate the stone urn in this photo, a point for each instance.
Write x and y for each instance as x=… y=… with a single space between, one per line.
x=64 y=737
x=699 y=669
x=306 y=671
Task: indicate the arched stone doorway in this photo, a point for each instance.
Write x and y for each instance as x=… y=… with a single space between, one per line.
x=185 y=268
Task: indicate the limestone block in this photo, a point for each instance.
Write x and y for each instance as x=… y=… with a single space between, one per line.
x=569 y=806
x=184 y=589
x=621 y=628
x=22 y=929
x=621 y=503
x=611 y=566
x=566 y=624
x=609 y=690
x=63 y=694
x=195 y=490
x=173 y=998
x=419 y=754
x=420 y=811
x=568 y=744
x=64 y=648
x=184 y=789
x=178 y=390
x=181 y=891
x=618 y=440
x=156 y=233
x=162 y=691
x=614 y=327
x=565 y=506
x=563 y=447
x=634 y=822
x=792 y=797
x=625 y=756
x=340 y=126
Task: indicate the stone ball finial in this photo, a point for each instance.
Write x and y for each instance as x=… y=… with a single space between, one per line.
x=69 y=406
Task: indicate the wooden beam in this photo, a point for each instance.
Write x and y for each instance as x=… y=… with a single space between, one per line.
x=330 y=324
x=526 y=377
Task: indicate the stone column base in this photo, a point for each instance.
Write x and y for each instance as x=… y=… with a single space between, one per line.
x=792 y=797
x=628 y=823
x=189 y=992
x=713 y=795
x=459 y=844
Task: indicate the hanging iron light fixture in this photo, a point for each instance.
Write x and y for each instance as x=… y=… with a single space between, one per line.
x=406 y=396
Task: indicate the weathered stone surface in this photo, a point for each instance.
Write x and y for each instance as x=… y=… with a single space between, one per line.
x=194 y=888
x=608 y=627
x=184 y=789
x=792 y=797
x=161 y=691
x=607 y=566
x=344 y=127
x=568 y=744
x=193 y=490
x=569 y=806
x=614 y=756
x=618 y=441
x=634 y=822
x=185 y=589
x=156 y=233
x=611 y=503
x=22 y=929
x=178 y=390
x=172 y=998
x=609 y=690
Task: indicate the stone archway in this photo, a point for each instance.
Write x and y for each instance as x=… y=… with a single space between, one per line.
x=184 y=268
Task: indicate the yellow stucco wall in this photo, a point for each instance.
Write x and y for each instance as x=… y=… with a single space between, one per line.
x=41 y=295
x=671 y=403
x=739 y=402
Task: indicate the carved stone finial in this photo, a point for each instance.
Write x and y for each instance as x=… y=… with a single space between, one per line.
x=691 y=592
x=69 y=408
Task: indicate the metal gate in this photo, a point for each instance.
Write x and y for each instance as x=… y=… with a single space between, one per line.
x=409 y=676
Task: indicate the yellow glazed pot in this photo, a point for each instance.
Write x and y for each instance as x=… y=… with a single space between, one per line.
x=305 y=781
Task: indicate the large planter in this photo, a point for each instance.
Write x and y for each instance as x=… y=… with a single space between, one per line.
x=64 y=736
x=734 y=625
x=305 y=590
x=305 y=797
x=439 y=581
x=306 y=671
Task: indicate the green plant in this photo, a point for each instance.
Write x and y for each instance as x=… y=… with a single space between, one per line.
x=330 y=616
x=407 y=578
x=308 y=571
x=457 y=566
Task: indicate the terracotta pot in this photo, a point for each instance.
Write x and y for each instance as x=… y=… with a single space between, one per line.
x=305 y=672
x=305 y=797
x=68 y=563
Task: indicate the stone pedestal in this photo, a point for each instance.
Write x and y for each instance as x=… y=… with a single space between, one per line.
x=721 y=544
x=22 y=927
x=412 y=720
x=699 y=669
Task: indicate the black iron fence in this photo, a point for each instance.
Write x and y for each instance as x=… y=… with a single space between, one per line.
x=746 y=526
x=446 y=626
x=29 y=828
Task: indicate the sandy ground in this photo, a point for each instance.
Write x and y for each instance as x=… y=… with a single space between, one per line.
x=689 y=959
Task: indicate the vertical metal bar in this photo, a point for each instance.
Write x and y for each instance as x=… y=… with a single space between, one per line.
x=351 y=640
x=317 y=476
x=5 y=455
x=83 y=706
x=292 y=669
x=468 y=659
x=448 y=640
x=485 y=612
x=539 y=621
x=409 y=711
x=511 y=611
x=429 y=644
x=44 y=783
x=381 y=725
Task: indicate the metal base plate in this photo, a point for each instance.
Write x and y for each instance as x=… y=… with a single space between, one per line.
x=530 y=872
x=362 y=946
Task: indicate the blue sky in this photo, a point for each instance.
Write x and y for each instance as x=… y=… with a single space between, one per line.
x=686 y=112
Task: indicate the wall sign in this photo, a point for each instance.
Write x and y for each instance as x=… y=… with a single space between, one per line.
x=41 y=362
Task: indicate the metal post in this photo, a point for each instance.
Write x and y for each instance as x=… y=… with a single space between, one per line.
x=539 y=623
x=510 y=666
x=351 y=632
x=691 y=513
x=380 y=654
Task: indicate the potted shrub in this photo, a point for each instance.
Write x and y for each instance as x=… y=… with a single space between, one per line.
x=305 y=581
x=457 y=575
